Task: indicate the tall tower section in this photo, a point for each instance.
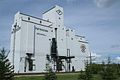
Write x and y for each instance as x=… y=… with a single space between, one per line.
x=56 y=16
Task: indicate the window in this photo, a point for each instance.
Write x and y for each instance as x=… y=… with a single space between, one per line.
x=71 y=38
x=40 y=21
x=28 y=18
x=59 y=18
x=68 y=52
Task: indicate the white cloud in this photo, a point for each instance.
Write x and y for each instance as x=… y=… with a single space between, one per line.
x=104 y=3
x=118 y=58
x=95 y=55
x=115 y=46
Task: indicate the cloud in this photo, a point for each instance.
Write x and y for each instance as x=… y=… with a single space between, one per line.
x=118 y=58
x=104 y=3
x=95 y=55
x=115 y=46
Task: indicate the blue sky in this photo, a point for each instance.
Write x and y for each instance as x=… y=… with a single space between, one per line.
x=98 y=20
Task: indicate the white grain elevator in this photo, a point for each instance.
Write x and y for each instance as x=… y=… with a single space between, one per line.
x=36 y=43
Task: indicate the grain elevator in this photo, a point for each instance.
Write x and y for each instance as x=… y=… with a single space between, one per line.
x=38 y=44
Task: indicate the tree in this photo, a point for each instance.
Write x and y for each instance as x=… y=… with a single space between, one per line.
x=88 y=71
x=82 y=76
x=50 y=75
x=87 y=75
x=6 y=69
x=95 y=68
x=108 y=72
x=118 y=69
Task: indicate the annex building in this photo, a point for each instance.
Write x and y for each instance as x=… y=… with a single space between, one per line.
x=39 y=44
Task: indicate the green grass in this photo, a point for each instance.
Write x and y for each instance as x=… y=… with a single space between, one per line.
x=68 y=77
x=29 y=78
x=60 y=77
x=96 y=77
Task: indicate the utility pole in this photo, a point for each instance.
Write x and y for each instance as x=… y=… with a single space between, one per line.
x=90 y=59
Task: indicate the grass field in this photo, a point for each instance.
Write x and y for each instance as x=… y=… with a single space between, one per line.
x=59 y=77
x=29 y=78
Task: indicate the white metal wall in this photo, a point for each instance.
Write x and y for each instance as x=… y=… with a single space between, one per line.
x=35 y=37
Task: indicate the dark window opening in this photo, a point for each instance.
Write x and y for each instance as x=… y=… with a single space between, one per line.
x=28 y=18
x=40 y=21
x=71 y=38
x=59 y=18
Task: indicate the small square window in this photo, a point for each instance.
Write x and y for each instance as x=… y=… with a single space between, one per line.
x=59 y=18
x=28 y=18
x=40 y=21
